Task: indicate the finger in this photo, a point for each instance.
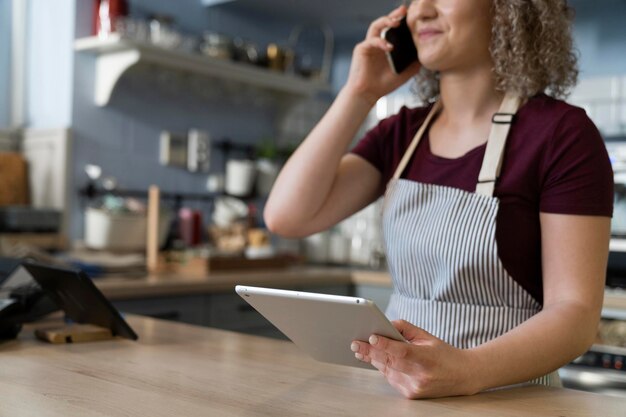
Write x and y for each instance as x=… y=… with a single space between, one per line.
x=406 y=364
x=388 y=367
x=364 y=352
x=400 y=381
x=363 y=358
x=396 y=355
x=379 y=24
x=399 y=12
x=391 y=20
x=410 y=332
x=400 y=355
x=381 y=365
x=380 y=346
x=374 y=44
x=392 y=347
x=360 y=349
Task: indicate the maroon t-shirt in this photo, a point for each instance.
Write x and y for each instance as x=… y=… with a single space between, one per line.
x=555 y=161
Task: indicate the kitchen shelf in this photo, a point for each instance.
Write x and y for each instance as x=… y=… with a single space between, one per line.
x=117 y=55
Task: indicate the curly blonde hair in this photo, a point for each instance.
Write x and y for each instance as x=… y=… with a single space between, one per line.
x=532 y=50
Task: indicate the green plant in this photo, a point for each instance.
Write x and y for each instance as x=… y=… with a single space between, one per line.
x=267 y=149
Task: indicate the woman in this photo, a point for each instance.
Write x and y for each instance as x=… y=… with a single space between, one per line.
x=496 y=226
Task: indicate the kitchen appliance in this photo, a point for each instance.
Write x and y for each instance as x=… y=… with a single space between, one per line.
x=618 y=222
x=600 y=370
x=240 y=177
x=616 y=148
x=120 y=231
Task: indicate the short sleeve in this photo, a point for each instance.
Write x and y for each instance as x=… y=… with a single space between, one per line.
x=577 y=177
x=384 y=144
x=372 y=146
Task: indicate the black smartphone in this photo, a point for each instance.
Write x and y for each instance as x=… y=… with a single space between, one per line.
x=404 y=52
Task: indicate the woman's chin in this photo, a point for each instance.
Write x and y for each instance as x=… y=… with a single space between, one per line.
x=430 y=61
x=430 y=65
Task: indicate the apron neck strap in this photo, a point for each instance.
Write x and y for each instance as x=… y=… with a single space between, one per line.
x=492 y=161
x=416 y=140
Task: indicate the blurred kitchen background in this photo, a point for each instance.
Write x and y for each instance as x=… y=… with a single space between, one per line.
x=205 y=99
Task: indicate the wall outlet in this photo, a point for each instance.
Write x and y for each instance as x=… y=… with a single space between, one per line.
x=198 y=151
x=173 y=150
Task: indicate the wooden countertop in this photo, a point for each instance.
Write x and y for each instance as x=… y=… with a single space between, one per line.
x=182 y=370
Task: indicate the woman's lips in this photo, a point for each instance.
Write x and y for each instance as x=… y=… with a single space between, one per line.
x=426 y=34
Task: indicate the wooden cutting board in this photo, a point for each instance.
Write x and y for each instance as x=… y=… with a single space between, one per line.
x=239 y=263
x=13 y=179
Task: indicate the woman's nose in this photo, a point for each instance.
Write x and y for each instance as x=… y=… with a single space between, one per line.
x=423 y=9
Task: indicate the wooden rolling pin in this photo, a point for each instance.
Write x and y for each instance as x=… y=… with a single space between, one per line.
x=152 y=235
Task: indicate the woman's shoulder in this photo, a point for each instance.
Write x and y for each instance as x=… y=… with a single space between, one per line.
x=382 y=144
x=397 y=129
x=407 y=117
x=550 y=123
x=548 y=111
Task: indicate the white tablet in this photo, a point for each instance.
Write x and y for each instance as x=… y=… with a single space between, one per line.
x=322 y=325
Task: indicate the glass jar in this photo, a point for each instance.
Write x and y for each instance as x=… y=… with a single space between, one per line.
x=216 y=45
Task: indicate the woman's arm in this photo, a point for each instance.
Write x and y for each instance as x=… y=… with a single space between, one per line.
x=574 y=256
x=321 y=185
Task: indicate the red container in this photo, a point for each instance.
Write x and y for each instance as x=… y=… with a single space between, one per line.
x=190 y=226
x=105 y=15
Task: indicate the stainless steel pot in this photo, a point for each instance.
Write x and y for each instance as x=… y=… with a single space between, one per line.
x=600 y=370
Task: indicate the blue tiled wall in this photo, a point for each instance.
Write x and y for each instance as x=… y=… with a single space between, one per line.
x=600 y=35
x=123 y=137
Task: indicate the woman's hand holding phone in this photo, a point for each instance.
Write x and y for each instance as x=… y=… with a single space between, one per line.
x=371 y=76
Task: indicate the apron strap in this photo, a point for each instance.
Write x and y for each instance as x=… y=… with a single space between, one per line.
x=416 y=139
x=500 y=127
x=492 y=161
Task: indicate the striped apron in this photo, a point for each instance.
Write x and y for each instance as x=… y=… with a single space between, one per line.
x=442 y=254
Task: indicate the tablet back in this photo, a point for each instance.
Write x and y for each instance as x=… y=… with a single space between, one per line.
x=322 y=325
x=79 y=298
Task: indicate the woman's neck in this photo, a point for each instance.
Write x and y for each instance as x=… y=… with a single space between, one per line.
x=469 y=95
